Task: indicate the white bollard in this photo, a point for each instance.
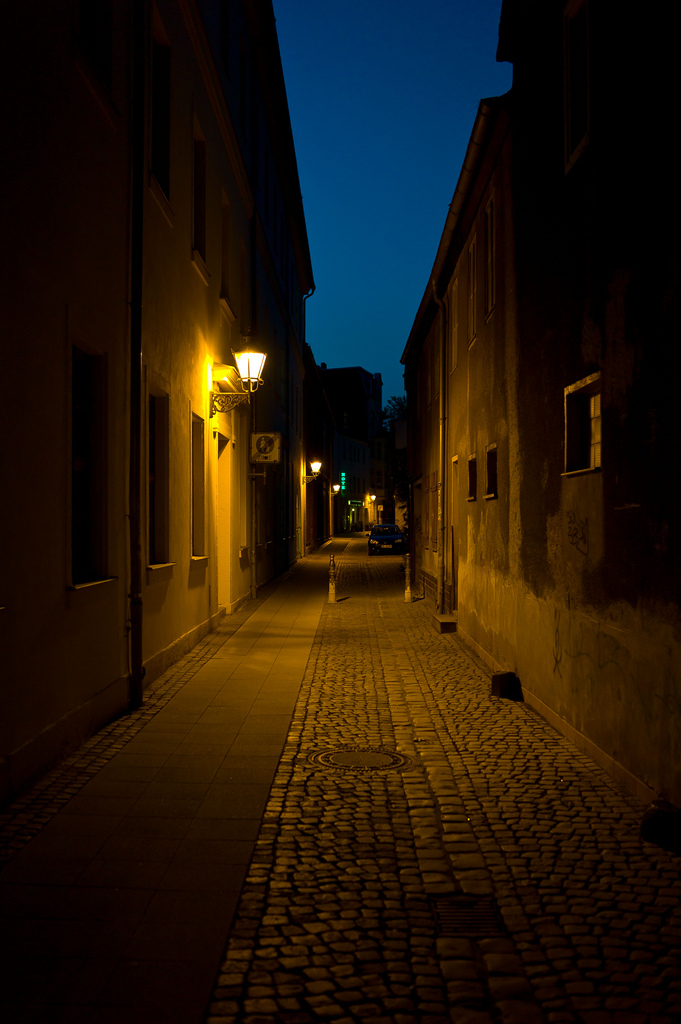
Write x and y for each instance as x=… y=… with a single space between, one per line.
x=332 y=581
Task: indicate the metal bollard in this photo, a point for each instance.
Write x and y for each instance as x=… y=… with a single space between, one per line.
x=407 y=580
x=332 y=581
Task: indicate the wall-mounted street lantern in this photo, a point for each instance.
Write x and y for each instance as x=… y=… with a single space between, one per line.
x=336 y=488
x=315 y=467
x=244 y=380
x=250 y=365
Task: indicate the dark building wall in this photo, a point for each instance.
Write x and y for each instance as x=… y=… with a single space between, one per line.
x=568 y=577
x=597 y=273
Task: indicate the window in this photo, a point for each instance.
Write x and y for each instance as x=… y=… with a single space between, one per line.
x=225 y=247
x=158 y=548
x=199 y=194
x=244 y=298
x=88 y=467
x=434 y=511
x=225 y=38
x=490 y=245
x=472 y=293
x=95 y=35
x=198 y=488
x=454 y=326
x=491 y=467
x=426 y=512
x=582 y=403
x=472 y=478
x=160 y=114
x=576 y=79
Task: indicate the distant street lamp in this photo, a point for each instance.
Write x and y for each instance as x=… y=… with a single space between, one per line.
x=315 y=467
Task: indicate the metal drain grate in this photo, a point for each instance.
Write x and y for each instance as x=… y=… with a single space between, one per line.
x=359 y=759
x=469 y=916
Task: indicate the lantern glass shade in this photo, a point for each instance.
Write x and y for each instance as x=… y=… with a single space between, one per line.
x=315 y=467
x=250 y=366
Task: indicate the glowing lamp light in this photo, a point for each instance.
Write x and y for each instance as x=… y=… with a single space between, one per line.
x=250 y=366
x=336 y=488
x=315 y=467
x=243 y=381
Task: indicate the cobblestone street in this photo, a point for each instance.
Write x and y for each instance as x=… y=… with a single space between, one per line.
x=427 y=853
x=430 y=853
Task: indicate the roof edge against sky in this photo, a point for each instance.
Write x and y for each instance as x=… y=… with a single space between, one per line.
x=282 y=132
x=482 y=129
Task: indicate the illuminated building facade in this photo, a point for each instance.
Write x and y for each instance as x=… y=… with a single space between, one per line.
x=156 y=227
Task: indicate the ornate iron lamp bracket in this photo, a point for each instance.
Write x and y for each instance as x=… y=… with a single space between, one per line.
x=223 y=401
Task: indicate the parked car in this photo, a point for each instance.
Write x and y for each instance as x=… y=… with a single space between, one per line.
x=386 y=538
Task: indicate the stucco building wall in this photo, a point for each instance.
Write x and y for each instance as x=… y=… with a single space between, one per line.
x=204 y=248
x=567 y=577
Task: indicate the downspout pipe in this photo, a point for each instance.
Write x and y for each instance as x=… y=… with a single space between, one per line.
x=136 y=676
x=440 y=592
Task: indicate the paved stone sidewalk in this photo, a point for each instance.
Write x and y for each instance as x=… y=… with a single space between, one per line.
x=26 y=815
x=432 y=854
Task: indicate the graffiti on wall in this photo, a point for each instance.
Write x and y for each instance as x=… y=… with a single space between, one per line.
x=578 y=532
x=596 y=651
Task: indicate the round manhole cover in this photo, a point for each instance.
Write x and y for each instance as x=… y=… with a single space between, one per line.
x=362 y=759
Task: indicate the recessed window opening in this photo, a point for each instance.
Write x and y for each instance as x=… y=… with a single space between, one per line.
x=453 y=321
x=88 y=467
x=576 y=80
x=160 y=114
x=472 y=293
x=491 y=468
x=198 y=488
x=199 y=196
x=582 y=406
x=226 y=242
x=95 y=34
x=490 y=255
x=158 y=552
x=472 y=478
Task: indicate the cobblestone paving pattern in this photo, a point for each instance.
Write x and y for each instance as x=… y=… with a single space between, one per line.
x=352 y=908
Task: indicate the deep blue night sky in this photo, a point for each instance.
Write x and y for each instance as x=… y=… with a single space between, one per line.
x=383 y=95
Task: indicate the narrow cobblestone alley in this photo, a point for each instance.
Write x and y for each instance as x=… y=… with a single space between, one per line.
x=427 y=853
x=430 y=853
